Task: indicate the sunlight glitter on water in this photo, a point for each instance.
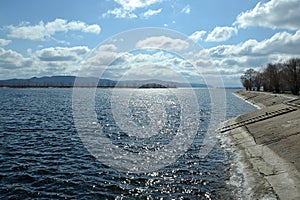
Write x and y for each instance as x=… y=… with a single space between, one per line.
x=42 y=155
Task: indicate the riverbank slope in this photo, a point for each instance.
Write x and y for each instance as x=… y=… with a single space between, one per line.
x=268 y=143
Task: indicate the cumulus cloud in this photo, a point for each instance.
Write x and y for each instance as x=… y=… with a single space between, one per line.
x=279 y=43
x=159 y=65
x=282 y=43
x=134 y=4
x=232 y=60
x=221 y=34
x=129 y=6
x=107 y=48
x=14 y=65
x=104 y=57
x=272 y=14
x=43 y=62
x=12 y=60
x=4 y=42
x=62 y=53
x=198 y=35
x=150 y=13
x=120 y=13
x=92 y=29
x=142 y=64
x=162 y=42
x=151 y=71
x=42 y=31
x=186 y=9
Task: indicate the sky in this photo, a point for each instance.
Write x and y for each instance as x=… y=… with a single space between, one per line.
x=55 y=37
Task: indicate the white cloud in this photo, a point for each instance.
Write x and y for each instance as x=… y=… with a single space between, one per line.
x=159 y=65
x=272 y=14
x=120 y=13
x=62 y=53
x=186 y=9
x=134 y=4
x=103 y=57
x=43 y=31
x=198 y=35
x=107 y=48
x=280 y=43
x=162 y=42
x=150 y=13
x=4 y=42
x=11 y=61
x=135 y=66
x=58 y=60
x=221 y=34
x=44 y=62
x=128 y=6
x=35 y=32
x=92 y=29
x=232 y=60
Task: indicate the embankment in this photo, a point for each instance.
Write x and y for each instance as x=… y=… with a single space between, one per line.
x=267 y=143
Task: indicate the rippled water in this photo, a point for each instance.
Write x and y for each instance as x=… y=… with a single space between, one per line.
x=43 y=157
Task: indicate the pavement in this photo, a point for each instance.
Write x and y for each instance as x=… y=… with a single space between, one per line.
x=268 y=140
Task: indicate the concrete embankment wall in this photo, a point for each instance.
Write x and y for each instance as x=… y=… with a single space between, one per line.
x=269 y=140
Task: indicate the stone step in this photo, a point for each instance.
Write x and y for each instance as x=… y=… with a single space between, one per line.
x=258 y=118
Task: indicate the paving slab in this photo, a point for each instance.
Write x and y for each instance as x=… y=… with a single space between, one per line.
x=270 y=144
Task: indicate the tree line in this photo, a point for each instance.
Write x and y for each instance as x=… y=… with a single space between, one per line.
x=275 y=77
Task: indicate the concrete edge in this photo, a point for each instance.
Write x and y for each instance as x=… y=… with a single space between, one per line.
x=266 y=174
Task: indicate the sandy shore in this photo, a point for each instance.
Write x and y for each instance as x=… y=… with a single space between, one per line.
x=267 y=146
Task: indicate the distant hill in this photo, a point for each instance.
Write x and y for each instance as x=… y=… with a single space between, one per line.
x=73 y=81
x=58 y=81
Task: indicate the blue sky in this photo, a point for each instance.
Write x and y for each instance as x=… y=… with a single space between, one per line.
x=52 y=37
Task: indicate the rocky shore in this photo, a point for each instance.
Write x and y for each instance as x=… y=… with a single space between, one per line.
x=267 y=146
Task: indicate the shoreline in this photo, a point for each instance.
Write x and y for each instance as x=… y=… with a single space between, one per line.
x=265 y=146
x=253 y=104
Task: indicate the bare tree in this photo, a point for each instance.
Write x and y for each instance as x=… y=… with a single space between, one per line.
x=292 y=75
x=275 y=77
x=258 y=80
x=266 y=81
x=245 y=82
x=272 y=76
x=248 y=79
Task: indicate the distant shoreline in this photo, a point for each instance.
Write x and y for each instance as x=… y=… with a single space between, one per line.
x=92 y=82
x=88 y=87
x=119 y=87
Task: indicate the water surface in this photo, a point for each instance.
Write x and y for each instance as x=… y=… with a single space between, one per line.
x=43 y=157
